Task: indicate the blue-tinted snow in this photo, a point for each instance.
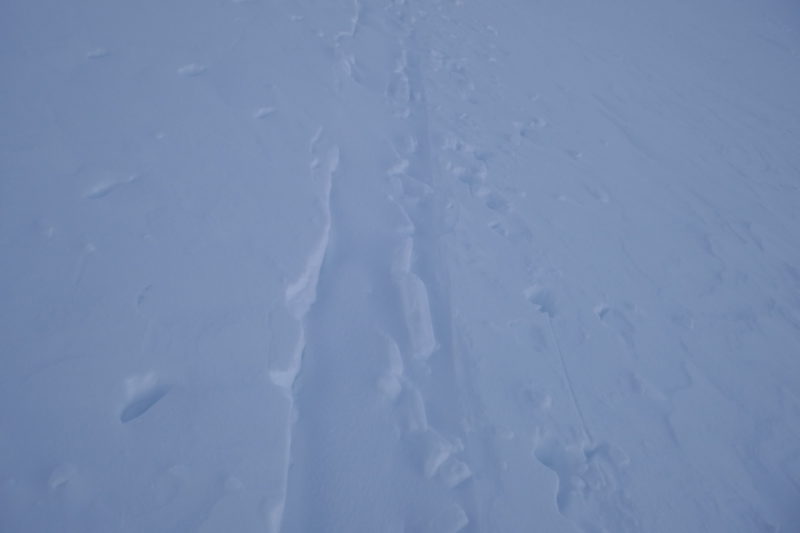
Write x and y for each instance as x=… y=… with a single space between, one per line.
x=399 y=265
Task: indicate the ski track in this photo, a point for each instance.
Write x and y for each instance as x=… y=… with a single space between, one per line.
x=424 y=383
x=428 y=207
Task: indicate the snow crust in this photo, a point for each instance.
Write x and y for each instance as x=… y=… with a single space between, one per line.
x=400 y=266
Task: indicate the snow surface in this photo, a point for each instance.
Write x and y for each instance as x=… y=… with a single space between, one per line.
x=400 y=265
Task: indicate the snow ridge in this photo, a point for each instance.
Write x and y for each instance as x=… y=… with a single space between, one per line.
x=301 y=294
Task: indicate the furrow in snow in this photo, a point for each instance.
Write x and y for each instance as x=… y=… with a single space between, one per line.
x=300 y=296
x=423 y=282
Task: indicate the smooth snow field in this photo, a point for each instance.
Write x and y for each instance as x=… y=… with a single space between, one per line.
x=436 y=266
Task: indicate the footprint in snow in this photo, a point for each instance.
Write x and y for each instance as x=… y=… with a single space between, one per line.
x=588 y=488
x=143 y=393
x=544 y=299
x=512 y=229
x=497 y=202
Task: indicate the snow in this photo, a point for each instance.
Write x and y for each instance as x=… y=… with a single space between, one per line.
x=400 y=265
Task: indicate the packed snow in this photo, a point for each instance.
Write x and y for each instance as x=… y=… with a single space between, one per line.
x=428 y=266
